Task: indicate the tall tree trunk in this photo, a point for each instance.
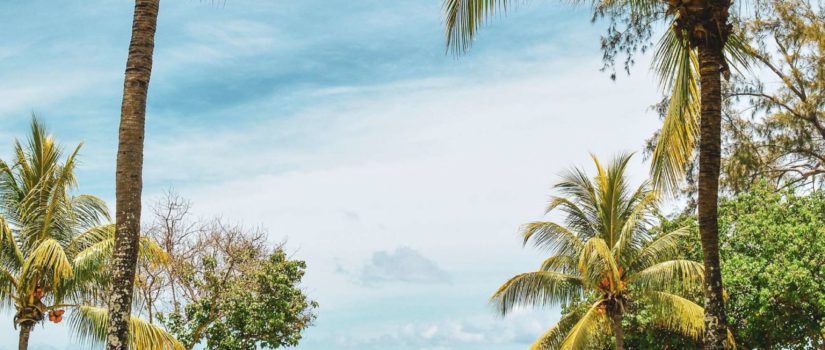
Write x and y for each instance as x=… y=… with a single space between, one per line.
x=710 y=70
x=617 y=330
x=129 y=179
x=23 y=340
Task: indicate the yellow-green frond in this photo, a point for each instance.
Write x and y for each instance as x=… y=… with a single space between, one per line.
x=10 y=254
x=581 y=334
x=595 y=260
x=48 y=258
x=676 y=313
x=89 y=326
x=672 y=276
x=93 y=257
x=553 y=338
x=90 y=237
x=540 y=288
x=629 y=235
x=665 y=247
x=552 y=237
x=561 y=263
x=677 y=66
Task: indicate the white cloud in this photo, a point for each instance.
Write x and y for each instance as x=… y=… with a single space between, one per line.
x=484 y=332
x=402 y=265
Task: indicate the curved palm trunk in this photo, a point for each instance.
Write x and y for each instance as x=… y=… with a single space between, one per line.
x=617 y=330
x=23 y=340
x=129 y=180
x=710 y=68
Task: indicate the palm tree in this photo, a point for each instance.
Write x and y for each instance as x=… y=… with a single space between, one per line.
x=129 y=171
x=603 y=251
x=55 y=246
x=691 y=59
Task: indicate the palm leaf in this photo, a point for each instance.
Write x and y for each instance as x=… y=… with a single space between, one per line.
x=676 y=313
x=465 y=17
x=673 y=275
x=47 y=258
x=541 y=288
x=553 y=337
x=567 y=264
x=595 y=260
x=552 y=237
x=581 y=334
x=665 y=247
x=678 y=68
x=89 y=326
x=10 y=254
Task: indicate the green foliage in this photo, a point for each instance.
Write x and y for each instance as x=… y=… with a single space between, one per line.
x=774 y=267
x=262 y=308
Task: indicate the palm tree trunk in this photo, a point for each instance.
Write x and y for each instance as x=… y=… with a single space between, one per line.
x=617 y=330
x=129 y=180
x=710 y=69
x=23 y=341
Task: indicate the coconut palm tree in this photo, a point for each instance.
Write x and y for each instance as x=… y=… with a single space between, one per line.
x=55 y=247
x=129 y=171
x=691 y=59
x=604 y=252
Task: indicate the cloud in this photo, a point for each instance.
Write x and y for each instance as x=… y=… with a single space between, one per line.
x=521 y=328
x=403 y=265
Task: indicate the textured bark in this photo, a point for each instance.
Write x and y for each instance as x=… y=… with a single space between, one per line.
x=710 y=70
x=129 y=179
x=23 y=341
x=617 y=330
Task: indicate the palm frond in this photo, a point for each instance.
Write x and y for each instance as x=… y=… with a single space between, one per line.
x=88 y=211
x=676 y=313
x=580 y=217
x=677 y=67
x=665 y=247
x=567 y=264
x=595 y=261
x=553 y=337
x=552 y=237
x=541 y=288
x=634 y=222
x=93 y=258
x=90 y=237
x=89 y=326
x=671 y=276
x=10 y=254
x=465 y=17
x=738 y=53
x=581 y=334
x=8 y=285
x=48 y=258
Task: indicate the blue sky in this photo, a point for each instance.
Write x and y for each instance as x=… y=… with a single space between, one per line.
x=398 y=172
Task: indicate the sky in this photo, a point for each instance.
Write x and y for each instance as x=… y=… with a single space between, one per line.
x=398 y=172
